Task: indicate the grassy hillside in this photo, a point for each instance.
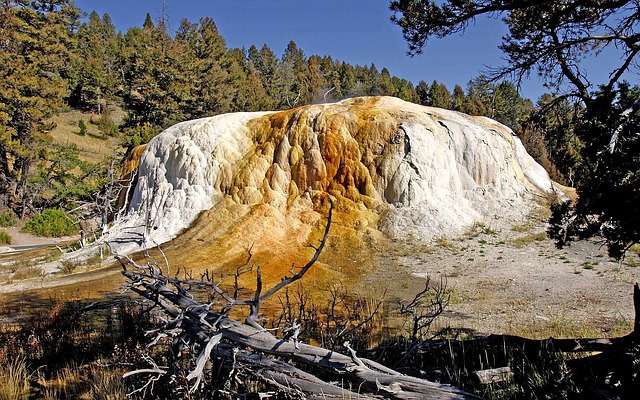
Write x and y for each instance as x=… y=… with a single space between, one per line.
x=95 y=145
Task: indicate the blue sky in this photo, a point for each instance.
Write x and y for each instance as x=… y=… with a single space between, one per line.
x=356 y=31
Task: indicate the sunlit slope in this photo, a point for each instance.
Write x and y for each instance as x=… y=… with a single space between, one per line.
x=263 y=181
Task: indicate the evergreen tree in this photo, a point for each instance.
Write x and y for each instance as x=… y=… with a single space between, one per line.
x=331 y=72
x=404 y=90
x=439 y=95
x=348 y=80
x=36 y=39
x=212 y=90
x=508 y=107
x=314 y=77
x=249 y=95
x=422 y=91
x=458 y=99
x=478 y=98
x=555 y=120
x=368 y=79
x=265 y=67
x=95 y=76
x=290 y=84
x=156 y=82
x=383 y=85
x=500 y=101
x=148 y=22
x=608 y=179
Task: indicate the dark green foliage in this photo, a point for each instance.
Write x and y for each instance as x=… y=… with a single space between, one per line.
x=439 y=95
x=51 y=222
x=608 y=181
x=155 y=82
x=64 y=179
x=8 y=218
x=106 y=124
x=139 y=135
x=551 y=39
x=83 y=128
x=157 y=77
x=95 y=76
x=555 y=122
x=148 y=22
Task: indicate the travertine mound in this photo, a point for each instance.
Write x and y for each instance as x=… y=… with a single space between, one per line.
x=390 y=165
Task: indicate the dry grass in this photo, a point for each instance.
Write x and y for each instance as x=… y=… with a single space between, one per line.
x=84 y=382
x=561 y=326
x=15 y=380
x=94 y=146
x=536 y=217
x=27 y=273
x=526 y=240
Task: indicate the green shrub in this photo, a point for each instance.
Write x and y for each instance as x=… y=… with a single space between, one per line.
x=52 y=222
x=106 y=125
x=5 y=238
x=83 y=128
x=8 y=218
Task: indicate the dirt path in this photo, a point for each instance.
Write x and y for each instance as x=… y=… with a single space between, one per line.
x=20 y=239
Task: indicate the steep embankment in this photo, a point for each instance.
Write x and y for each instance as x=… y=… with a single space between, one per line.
x=264 y=179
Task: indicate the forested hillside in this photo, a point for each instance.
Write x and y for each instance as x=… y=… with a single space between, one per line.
x=57 y=57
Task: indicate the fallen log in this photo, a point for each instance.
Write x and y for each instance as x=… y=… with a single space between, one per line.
x=366 y=375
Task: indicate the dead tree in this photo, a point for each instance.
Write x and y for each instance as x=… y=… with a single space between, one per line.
x=218 y=335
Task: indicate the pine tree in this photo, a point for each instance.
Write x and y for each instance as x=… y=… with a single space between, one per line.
x=439 y=95
x=265 y=67
x=155 y=80
x=95 y=76
x=458 y=99
x=404 y=90
x=35 y=44
x=422 y=90
x=148 y=22
x=383 y=84
x=317 y=85
x=291 y=86
x=205 y=61
x=249 y=95
x=348 y=80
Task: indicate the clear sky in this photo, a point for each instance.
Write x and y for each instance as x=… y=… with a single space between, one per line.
x=355 y=31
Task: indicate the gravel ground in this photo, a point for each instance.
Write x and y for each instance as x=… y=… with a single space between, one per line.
x=520 y=283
